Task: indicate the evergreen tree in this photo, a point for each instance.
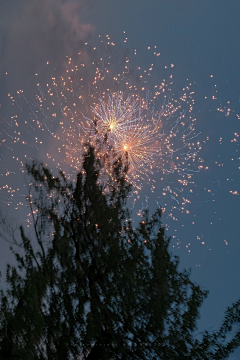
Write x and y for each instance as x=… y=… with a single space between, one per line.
x=91 y=286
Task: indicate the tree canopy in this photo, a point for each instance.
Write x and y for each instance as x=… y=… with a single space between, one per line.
x=89 y=285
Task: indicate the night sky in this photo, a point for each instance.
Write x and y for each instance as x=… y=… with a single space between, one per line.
x=201 y=39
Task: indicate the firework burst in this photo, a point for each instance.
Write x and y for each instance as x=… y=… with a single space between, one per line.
x=118 y=125
x=115 y=117
x=105 y=97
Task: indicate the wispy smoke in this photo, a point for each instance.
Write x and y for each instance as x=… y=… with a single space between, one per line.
x=33 y=32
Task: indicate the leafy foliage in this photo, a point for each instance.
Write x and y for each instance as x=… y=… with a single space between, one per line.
x=94 y=287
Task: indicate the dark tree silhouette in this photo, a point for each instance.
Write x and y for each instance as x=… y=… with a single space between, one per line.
x=91 y=286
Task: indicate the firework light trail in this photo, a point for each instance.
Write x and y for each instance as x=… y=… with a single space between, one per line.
x=120 y=126
x=104 y=95
x=111 y=97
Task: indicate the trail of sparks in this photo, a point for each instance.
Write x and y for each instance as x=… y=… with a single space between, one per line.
x=104 y=96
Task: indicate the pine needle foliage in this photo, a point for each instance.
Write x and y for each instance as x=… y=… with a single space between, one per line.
x=91 y=286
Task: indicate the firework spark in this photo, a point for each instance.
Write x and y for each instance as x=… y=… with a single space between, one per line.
x=107 y=98
x=115 y=117
x=118 y=124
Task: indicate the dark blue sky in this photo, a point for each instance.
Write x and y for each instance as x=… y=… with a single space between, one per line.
x=201 y=39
